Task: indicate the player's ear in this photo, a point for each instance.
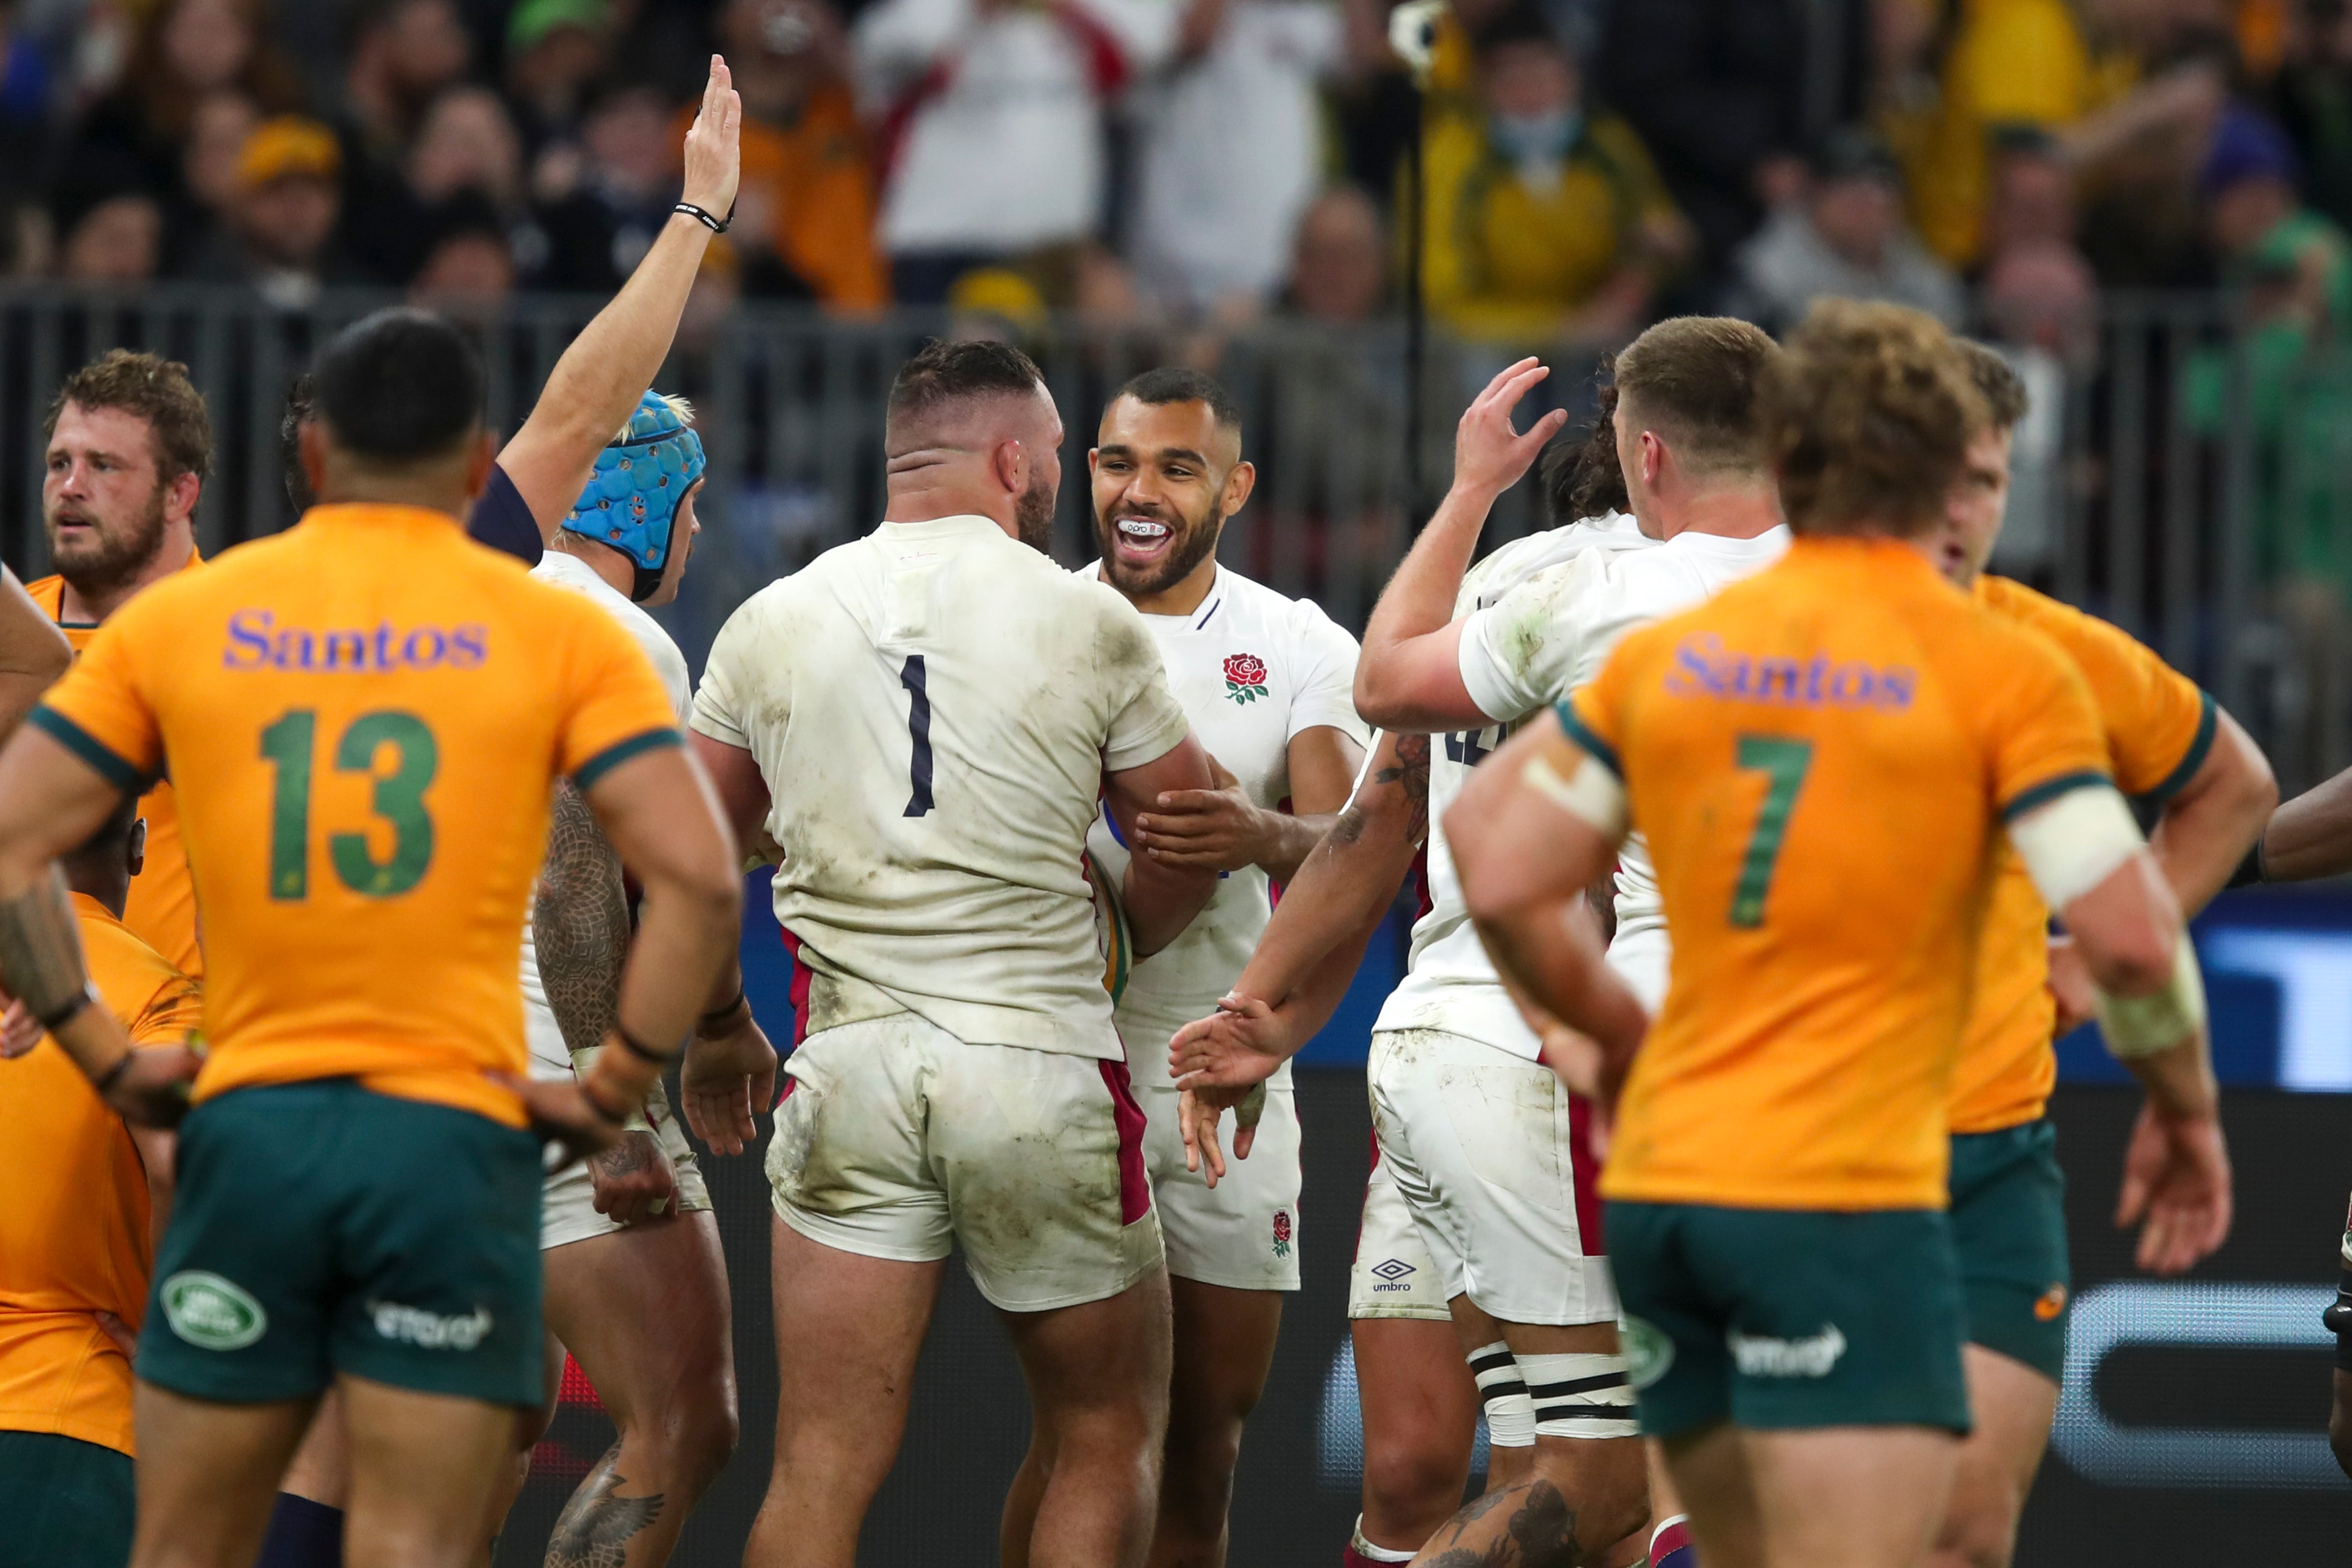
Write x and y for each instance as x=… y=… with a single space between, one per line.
x=1009 y=466
x=1239 y=483
x=180 y=497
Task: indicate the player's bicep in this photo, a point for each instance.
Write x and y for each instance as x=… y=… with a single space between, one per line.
x=1323 y=763
x=742 y=789
x=54 y=794
x=1417 y=683
x=1127 y=792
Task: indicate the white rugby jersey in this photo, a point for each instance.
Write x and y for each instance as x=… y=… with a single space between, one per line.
x=933 y=707
x=1528 y=641
x=549 y=1058
x=1252 y=669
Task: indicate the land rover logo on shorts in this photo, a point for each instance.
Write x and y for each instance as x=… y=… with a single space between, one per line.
x=211 y=1312
x=1647 y=1350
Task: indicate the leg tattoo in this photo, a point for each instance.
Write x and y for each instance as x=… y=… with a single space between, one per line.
x=1540 y=1533
x=595 y=1526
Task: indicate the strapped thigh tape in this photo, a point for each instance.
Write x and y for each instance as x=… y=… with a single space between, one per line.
x=1580 y=1396
x=1510 y=1414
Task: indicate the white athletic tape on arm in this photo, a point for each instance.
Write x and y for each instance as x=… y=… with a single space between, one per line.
x=2074 y=842
x=1592 y=794
x=2142 y=1026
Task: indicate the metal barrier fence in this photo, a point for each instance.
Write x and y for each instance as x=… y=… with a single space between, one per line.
x=2188 y=473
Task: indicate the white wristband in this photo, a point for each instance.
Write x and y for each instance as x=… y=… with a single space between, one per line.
x=2142 y=1026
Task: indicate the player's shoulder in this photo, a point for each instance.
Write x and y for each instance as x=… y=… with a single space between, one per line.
x=2095 y=643
x=49 y=593
x=128 y=972
x=1256 y=607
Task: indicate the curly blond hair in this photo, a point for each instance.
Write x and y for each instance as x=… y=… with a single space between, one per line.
x=1867 y=417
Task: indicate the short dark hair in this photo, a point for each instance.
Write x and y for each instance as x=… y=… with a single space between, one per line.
x=1867 y=417
x=1997 y=380
x=1580 y=474
x=1176 y=383
x=1694 y=380
x=944 y=372
x=400 y=385
x=154 y=389
x=300 y=408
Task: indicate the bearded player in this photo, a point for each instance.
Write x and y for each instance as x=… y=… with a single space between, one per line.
x=924 y=721
x=1267 y=683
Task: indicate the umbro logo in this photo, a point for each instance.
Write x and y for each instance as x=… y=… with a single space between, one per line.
x=1393 y=1269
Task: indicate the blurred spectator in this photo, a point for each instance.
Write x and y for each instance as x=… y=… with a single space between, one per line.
x=108 y=225
x=187 y=49
x=403 y=53
x=2313 y=97
x=1847 y=238
x=2031 y=193
x=556 y=50
x=991 y=124
x=2040 y=294
x=280 y=235
x=2297 y=261
x=628 y=179
x=1726 y=94
x=1337 y=264
x=29 y=97
x=468 y=268
x=804 y=219
x=217 y=132
x=1544 y=223
x=467 y=152
x=2034 y=63
x=1228 y=145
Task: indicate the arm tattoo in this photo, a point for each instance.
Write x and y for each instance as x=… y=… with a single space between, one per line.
x=1411 y=772
x=595 y=1526
x=632 y=1154
x=579 y=924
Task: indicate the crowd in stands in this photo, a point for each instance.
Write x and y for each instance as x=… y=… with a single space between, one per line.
x=1586 y=164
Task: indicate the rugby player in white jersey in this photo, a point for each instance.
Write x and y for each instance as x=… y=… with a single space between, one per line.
x=923 y=721
x=1484 y=1145
x=1268 y=684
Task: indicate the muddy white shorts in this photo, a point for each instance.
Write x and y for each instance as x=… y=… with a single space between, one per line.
x=1488 y=1155
x=1244 y=1233
x=898 y=1140
x=1394 y=1276
x=567 y=1204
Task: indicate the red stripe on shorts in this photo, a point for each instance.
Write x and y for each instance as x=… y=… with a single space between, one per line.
x=1134 y=1185
x=1585 y=1171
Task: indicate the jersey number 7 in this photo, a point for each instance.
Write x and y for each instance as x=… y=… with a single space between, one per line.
x=1785 y=760
x=399 y=798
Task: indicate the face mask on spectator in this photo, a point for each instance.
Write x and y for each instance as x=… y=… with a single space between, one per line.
x=1536 y=144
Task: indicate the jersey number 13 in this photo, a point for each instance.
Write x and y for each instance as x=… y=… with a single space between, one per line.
x=288 y=747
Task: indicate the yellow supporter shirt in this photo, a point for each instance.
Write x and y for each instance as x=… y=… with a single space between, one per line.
x=2158 y=727
x=74 y=1238
x=162 y=907
x=365 y=716
x=1821 y=757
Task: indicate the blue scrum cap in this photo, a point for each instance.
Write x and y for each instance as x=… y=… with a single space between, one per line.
x=631 y=499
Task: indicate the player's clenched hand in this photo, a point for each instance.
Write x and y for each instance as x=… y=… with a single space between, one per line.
x=1206 y=829
x=714 y=158
x=562 y=1114
x=728 y=1078
x=152 y=1090
x=1198 y=1112
x=2070 y=984
x=633 y=1180
x=1489 y=453
x=18 y=1033
x=1237 y=1046
x=2177 y=1180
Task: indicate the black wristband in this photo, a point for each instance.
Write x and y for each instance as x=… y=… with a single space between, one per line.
x=57 y=1017
x=643 y=1051
x=610 y=1118
x=112 y=1075
x=702 y=215
x=2250 y=870
x=720 y=1015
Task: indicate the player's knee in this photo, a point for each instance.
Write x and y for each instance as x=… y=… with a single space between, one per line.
x=1409 y=1476
x=1980 y=1527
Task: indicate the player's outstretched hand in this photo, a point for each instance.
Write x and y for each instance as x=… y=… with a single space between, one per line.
x=728 y=1078
x=633 y=1180
x=714 y=144
x=18 y=1031
x=1205 y=829
x=1198 y=1112
x=2177 y=1181
x=153 y=1090
x=562 y=1114
x=1237 y=1046
x=1489 y=453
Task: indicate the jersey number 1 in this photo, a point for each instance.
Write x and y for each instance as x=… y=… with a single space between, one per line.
x=399 y=799
x=918 y=732
x=1786 y=761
